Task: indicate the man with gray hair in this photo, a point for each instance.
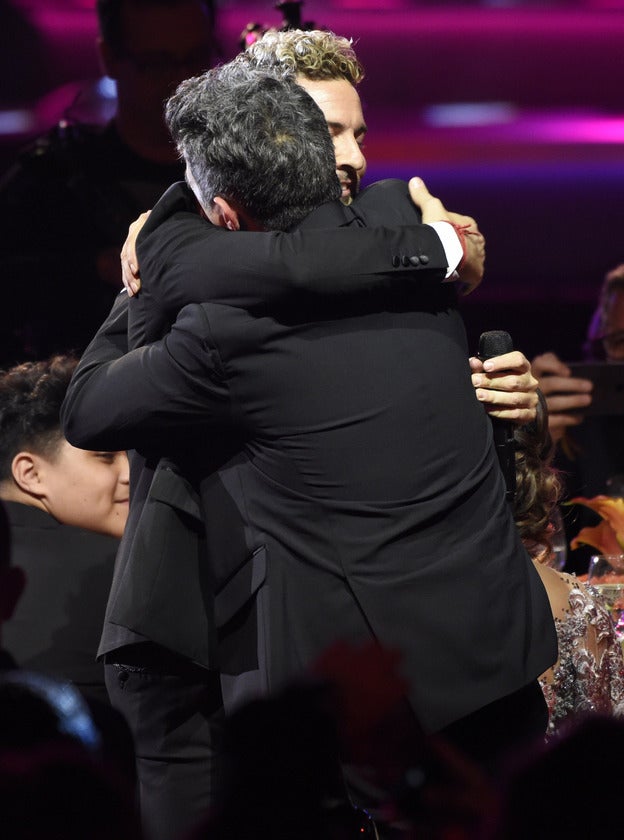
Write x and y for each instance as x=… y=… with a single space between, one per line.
x=238 y=131
x=339 y=475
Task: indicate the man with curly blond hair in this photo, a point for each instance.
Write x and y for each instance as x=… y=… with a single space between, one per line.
x=326 y=66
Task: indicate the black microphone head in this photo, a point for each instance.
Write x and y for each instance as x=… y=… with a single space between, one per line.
x=494 y=343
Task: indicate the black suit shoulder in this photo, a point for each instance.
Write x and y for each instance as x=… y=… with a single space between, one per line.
x=387 y=203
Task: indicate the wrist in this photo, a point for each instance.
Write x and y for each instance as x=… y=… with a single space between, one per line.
x=462 y=232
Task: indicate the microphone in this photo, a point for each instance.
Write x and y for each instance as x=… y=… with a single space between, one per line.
x=495 y=343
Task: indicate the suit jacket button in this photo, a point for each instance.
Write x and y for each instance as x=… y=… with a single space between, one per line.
x=424 y=259
x=396 y=261
x=414 y=260
x=406 y=261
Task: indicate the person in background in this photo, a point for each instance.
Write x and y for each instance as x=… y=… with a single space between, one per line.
x=590 y=450
x=40 y=713
x=84 y=184
x=67 y=509
x=566 y=396
x=589 y=673
x=58 y=789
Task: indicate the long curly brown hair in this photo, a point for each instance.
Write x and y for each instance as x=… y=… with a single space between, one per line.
x=538 y=486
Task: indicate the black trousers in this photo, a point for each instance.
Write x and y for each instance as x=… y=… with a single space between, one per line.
x=174 y=710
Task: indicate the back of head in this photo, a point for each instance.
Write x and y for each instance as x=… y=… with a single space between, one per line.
x=31 y=395
x=255 y=140
x=315 y=54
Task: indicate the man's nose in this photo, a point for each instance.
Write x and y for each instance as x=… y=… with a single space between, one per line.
x=350 y=154
x=124 y=471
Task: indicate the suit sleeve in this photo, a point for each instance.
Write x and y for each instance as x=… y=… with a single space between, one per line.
x=109 y=343
x=111 y=339
x=120 y=401
x=184 y=259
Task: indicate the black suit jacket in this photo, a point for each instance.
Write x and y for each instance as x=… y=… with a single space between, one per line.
x=165 y=529
x=329 y=255
x=363 y=497
x=57 y=624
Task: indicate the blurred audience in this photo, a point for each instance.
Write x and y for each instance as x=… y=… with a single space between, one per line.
x=282 y=775
x=66 y=204
x=284 y=757
x=35 y=709
x=67 y=509
x=58 y=777
x=590 y=450
x=537 y=799
x=589 y=673
x=56 y=790
x=66 y=763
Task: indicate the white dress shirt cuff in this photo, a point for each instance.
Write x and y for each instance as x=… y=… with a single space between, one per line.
x=452 y=247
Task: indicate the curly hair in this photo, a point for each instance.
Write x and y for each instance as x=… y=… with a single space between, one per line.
x=538 y=487
x=316 y=54
x=30 y=403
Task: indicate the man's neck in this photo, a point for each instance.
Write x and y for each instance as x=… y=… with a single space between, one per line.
x=9 y=492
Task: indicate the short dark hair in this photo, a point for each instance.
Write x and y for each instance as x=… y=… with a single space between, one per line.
x=109 y=14
x=30 y=403
x=256 y=140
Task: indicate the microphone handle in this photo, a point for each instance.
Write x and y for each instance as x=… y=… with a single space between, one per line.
x=495 y=343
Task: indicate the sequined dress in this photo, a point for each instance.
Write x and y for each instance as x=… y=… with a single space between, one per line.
x=589 y=674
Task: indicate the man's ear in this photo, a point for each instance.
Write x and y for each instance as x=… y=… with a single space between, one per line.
x=12 y=583
x=26 y=469
x=224 y=215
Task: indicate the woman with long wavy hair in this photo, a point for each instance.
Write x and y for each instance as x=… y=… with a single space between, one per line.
x=589 y=673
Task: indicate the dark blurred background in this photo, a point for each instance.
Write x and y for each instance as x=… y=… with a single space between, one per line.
x=512 y=113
